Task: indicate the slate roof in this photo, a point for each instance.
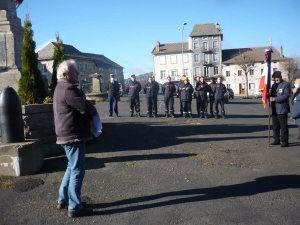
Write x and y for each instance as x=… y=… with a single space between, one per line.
x=73 y=52
x=172 y=48
x=205 y=29
x=256 y=53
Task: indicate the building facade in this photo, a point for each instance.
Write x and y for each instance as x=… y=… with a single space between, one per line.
x=200 y=56
x=87 y=64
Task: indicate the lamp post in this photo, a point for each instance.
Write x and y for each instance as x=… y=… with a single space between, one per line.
x=181 y=29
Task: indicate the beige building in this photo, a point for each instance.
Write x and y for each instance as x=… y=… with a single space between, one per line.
x=87 y=64
x=254 y=60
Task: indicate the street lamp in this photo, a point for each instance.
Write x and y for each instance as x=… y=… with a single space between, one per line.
x=181 y=29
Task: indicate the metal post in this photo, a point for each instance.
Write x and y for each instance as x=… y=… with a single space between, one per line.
x=182 y=61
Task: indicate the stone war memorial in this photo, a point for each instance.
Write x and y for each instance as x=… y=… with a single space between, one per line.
x=18 y=157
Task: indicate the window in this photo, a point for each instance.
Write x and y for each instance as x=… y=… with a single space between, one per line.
x=216 y=70
x=251 y=72
x=215 y=37
x=227 y=73
x=228 y=86
x=206 y=58
x=251 y=86
x=174 y=73
x=215 y=44
x=197 y=71
x=195 y=38
x=173 y=59
x=85 y=66
x=162 y=60
x=204 y=37
x=196 y=45
x=205 y=45
x=206 y=71
x=162 y=74
x=196 y=58
x=185 y=59
x=239 y=72
x=215 y=57
x=261 y=71
x=274 y=69
x=185 y=72
x=44 y=68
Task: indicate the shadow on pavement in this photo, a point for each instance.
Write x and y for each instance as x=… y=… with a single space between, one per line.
x=258 y=186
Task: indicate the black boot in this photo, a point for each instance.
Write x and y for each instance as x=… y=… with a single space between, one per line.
x=216 y=115
x=172 y=115
x=131 y=115
x=190 y=115
x=202 y=114
x=223 y=115
x=199 y=115
x=148 y=115
x=139 y=115
x=205 y=115
x=166 y=114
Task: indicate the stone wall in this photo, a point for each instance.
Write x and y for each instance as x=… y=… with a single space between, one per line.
x=39 y=124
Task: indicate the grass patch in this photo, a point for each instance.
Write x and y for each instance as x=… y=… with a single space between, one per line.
x=7 y=184
x=198 y=156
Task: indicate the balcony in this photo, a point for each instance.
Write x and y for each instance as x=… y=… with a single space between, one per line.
x=208 y=49
x=206 y=63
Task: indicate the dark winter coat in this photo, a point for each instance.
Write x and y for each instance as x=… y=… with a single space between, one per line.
x=151 y=89
x=72 y=113
x=218 y=90
x=295 y=100
x=113 y=89
x=133 y=89
x=168 y=89
x=202 y=89
x=281 y=92
x=186 y=92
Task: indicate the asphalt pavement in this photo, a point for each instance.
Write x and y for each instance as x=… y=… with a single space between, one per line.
x=185 y=171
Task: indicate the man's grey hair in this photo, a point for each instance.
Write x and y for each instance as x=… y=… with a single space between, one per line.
x=63 y=67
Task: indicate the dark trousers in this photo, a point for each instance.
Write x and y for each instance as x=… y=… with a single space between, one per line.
x=112 y=101
x=280 y=128
x=221 y=102
x=151 y=105
x=169 y=104
x=181 y=110
x=134 y=103
x=201 y=104
x=187 y=107
x=211 y=105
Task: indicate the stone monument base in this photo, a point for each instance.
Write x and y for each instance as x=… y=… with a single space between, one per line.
x=20 y=159
x=96 y=96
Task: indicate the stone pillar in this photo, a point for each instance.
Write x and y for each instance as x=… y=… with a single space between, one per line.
x=96 y=82
x=11 y=37
x=97 y=93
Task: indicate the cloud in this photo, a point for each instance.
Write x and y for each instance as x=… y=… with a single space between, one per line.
x=39 y=47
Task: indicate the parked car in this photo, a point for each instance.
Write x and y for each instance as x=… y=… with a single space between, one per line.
x=257 y=94
x=120 y=90
x=231 y=93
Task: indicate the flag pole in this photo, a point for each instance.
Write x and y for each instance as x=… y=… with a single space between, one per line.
x=269 y=76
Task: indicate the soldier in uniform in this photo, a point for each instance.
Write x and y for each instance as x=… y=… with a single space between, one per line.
x=186 y=91
x=151 y=89
x=112 y=88
x=133 y=89
x=211 y=96
x=201 y=90
x=219 y=90
x=180 y=83
x=279 y=98
x=168 y=90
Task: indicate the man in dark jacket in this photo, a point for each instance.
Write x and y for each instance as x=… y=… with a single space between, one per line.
x=186 y=91
x=151 y=90
x=168 y=90
x=133 y=89
x=180 y=83
x=201 y=90
x=211 y=96
x=72 y=116
x=219 y=90
x=112 y=88
x=279 y=98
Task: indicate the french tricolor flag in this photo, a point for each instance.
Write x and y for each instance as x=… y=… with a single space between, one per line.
x=265 y=79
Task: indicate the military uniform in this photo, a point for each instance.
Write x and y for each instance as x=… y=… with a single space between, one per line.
x=211 y=99
x=186 y=92
x=168 y=90
x=151 y=90
x=133 y=89
x=201 y=91
x=219 y=90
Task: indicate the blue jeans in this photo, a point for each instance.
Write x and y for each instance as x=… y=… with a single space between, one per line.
x=113 y=101
x=70 y=188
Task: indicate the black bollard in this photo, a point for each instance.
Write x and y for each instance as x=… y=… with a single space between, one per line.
x=11 y=122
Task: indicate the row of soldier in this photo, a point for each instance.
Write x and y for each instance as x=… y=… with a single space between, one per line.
x=203 y=91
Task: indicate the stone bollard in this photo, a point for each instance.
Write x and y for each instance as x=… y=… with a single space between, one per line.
x=11 y=122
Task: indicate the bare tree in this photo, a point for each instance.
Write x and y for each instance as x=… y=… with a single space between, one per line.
x=291 y=65
x=245 y=60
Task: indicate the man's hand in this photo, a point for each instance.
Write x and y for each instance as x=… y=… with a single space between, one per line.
x=295 y=90
x=272 y=99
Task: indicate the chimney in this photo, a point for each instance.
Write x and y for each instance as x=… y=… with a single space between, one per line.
x=218 y=27
x=157 y=46
x=281 y=52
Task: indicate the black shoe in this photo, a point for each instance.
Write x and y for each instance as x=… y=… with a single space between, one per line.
x=148 y=115
x=172 y=115
x=80 y=212
x=223 y=116
x=62 y=206
x=184 y=115
x=167 y=115
x=155 y=115
x=283 y=145
x=216 y=116
x=190 y=115
x=139 y=115
x=117 y=115
x=131 y=115
x=110 y=115
x=205 y=115
x=212 y=115
x=275 y=143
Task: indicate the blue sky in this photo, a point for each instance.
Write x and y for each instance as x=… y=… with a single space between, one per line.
x=126 y=31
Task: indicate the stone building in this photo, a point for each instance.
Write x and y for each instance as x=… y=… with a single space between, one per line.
x=87 y=64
